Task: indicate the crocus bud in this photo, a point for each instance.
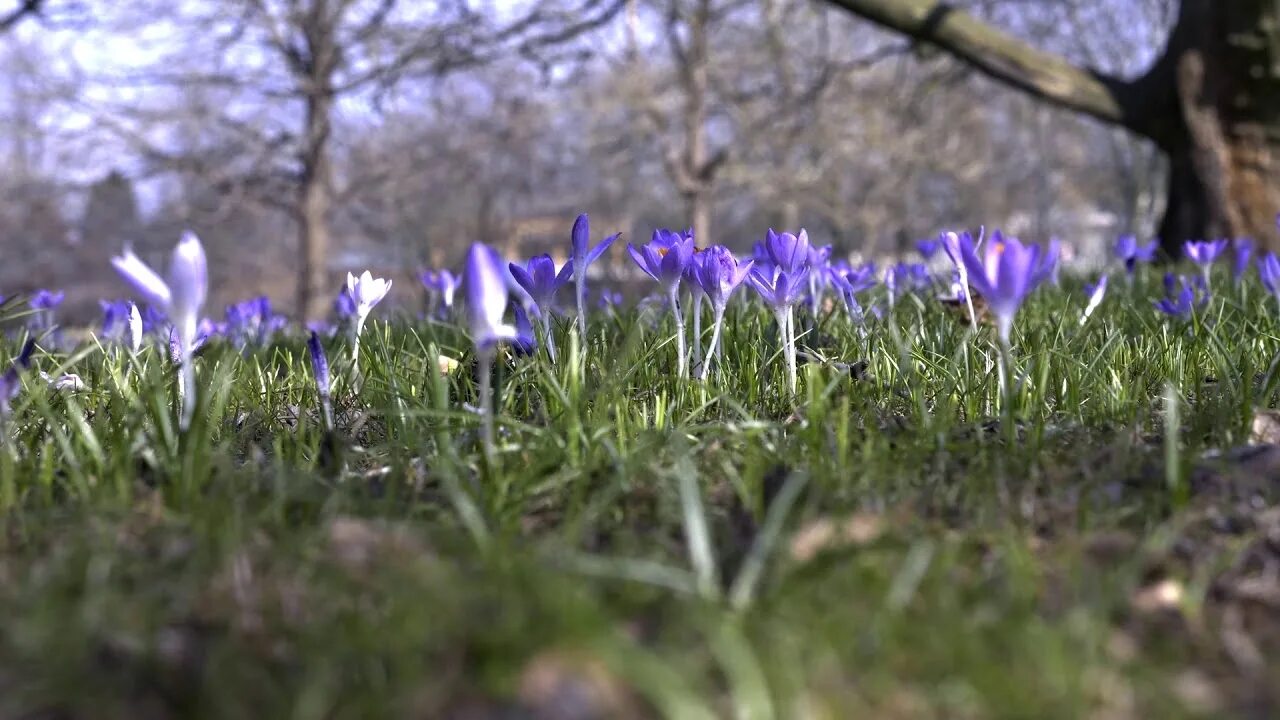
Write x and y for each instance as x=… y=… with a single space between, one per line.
x=134 y=327
x=319 y=364
x=485 y=278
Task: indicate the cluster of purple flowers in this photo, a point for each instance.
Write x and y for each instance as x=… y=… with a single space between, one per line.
x=252 y=322
x=516 y=302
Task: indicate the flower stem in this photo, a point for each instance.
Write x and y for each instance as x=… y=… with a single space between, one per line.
x=327 y=407
x=551 y=341
x=186 y=373
x=356 y=330
x=781 y=315
x=682 y=367
x=968 y=301
x=580 y=285
x=485 y=368
x=695 y=349
x=791 y=349
x=713 y=350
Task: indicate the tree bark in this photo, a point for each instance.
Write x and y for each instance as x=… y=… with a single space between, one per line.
x=1226 y=58
x=314 y=203
x=699 y=170
x=700 y=211
x=1211 y=102
x=314 y=72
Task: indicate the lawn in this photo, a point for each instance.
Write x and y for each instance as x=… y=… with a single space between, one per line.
x=897 y=539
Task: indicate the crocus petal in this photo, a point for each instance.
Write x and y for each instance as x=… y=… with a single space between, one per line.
x=641 y=257
x=319 y=364
x=134 y=328
x=188 y=276
x=1015 y=270
x=598 y=250
x=565 y=275
x=522 y=278
x=580 y=237
x=486 y=283
x=145 y=280
x=975 y=271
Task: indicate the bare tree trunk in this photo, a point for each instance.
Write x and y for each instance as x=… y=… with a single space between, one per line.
x=791 y=215
x=314 y=202
x=1226 y=162
x=700 y=213
x=1211 y=102
x=697 y=155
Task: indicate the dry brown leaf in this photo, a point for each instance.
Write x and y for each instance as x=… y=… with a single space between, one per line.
x=828 y=534
x=1161 y=596
x=569 y=685
x=1266 y=427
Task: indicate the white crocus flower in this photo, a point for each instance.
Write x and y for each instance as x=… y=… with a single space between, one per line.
x=180 y=296
x=366 y=291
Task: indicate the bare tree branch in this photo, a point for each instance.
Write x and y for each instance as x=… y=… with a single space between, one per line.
x=1006 y=58
x=15 y=16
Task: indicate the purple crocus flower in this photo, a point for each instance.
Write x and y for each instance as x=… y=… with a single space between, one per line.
x=819 y=257
x=851 y=281
x=583 y=255
x=928 y=248
x=115 y=318
x=47 y=299
x=780 y=290
x=1182 y=296
x=252 y=321
x=719 y=274
x=760 y=255
x=1004 y=276
x=1131 y=253
x=957 y=291
x=1242 y=249
x=665 y=260
x=44 y=302
x=526 y=343
x=539 y=278
x=953 y=243
x=1269 y=273
x=153 y=320
x=1204 y=253
x=1047 y=265
x=121 y=322
x=905 y=277
x=180 y=295
x=541 y=281
x=205 y=330
x=442 y=286
x=11 y=380
x=609 y=299
x=320 y=367
x=787 y=251
x=485 y=281
x=344 y=306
